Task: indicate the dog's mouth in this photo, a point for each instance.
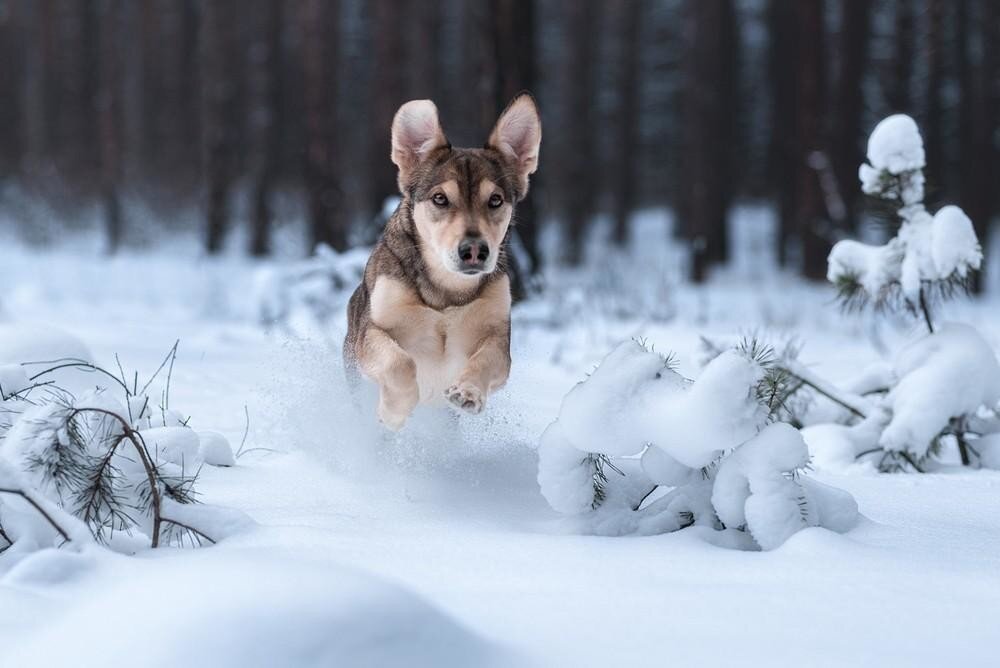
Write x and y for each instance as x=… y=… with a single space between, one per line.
x=473 y=271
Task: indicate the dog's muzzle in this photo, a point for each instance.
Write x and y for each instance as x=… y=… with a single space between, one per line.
x=473 y=252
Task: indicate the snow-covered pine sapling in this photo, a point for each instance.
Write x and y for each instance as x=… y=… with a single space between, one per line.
x=930 y=256
x=102 y=463
x=706 y=452
x=944 y=387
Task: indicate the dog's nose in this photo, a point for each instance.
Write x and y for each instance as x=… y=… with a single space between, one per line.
x=473 y=252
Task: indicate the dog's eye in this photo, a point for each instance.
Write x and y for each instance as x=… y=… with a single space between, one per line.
x=439 y=200
x=495 y=201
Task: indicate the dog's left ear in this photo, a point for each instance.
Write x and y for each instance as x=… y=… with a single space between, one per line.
x=518 y=134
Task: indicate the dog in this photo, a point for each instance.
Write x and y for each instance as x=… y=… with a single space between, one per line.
x=430 y=322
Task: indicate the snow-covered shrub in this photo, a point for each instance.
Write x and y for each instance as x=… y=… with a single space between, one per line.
x=942 y=389
x=316 y=288
x=930 y=254
x=635 y=429
x=105 y=462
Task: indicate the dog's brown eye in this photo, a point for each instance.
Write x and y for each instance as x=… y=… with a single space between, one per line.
x=495 y=201
x=439 y=200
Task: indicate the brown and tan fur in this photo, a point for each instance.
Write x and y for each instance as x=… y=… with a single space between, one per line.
x=427 y=324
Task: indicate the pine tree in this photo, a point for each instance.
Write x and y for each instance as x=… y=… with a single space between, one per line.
x=929 y=257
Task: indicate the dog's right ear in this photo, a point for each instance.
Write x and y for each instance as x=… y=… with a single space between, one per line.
x=416 y=132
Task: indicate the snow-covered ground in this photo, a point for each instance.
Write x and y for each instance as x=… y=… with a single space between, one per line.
x=435 y=546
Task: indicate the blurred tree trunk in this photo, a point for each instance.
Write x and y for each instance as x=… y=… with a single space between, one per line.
x=388 y=91
x=216 y=113
x=709 y=131
x=848 y=136
x=11 y=73
x=627 y=135
x=977 y=117
x=898 y=91
x=990 y=82
x=932 y=129
x=811 y=222
x=109 y=117
x=782 y=48
x=579 y=160
x=423 y=72
x=516 y=63
x=36 y=107
x=265 y=121
x=320 y=26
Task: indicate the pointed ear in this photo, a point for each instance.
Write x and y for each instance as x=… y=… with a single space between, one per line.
x=518 y=134
x=416 y=132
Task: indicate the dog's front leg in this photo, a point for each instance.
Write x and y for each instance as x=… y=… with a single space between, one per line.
x=385 y=362
x=486 y=371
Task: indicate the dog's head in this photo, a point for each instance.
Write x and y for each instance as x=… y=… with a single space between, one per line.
x=463 y=198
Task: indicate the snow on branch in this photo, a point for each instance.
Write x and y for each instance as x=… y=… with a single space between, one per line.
x=930 y=255
x=685 y=452
x=104 y=464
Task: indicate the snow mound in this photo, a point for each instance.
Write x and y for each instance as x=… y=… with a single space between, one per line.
x=708 y=440
x=242 y=610
x=943 y=375
x=37 y=348
x=634 y=398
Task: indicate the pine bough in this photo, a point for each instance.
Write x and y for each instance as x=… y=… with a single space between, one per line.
x=78 y=469
x=638 y=448
x=942 y=390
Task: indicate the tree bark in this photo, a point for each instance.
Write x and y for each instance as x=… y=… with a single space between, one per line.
x=388 y=90
x=627 y=139
x=898 y=91
x=848 y=145
x=932 y=129
x=977 y=119
x=580 y=169
x=12 y=47
x=782 y=48
x=109 y=117
x=709 y=131
x=216 y=97
x=265 y=123
x=516 y=71
x=811 y=223
x=328 y=224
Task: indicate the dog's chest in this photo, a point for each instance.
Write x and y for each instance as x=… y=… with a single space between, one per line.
x=440 y=351
x=440 y=342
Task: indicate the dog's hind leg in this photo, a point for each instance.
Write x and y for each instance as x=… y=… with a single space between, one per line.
x=395 y=372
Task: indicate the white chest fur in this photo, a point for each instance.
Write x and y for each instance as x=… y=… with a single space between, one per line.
x=440 y=342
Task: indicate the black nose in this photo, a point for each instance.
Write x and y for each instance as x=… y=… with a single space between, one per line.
x=473 y=252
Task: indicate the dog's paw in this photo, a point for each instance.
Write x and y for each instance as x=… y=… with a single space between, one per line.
x=391 y=419
x=467 y=397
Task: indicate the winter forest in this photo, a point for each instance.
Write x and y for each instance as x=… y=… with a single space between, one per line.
x=499 y=332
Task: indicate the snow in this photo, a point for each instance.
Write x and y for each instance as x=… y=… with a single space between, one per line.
x=634 y=398
x=874 y=267
x=942 y=375
x=953 y=245
x=895 y=145
x=214 y=449
x=443 y=527
x=242 y=609
x=926 y=248
x=635 y=404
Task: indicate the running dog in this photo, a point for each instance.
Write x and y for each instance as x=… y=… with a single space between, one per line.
x=430 y=322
